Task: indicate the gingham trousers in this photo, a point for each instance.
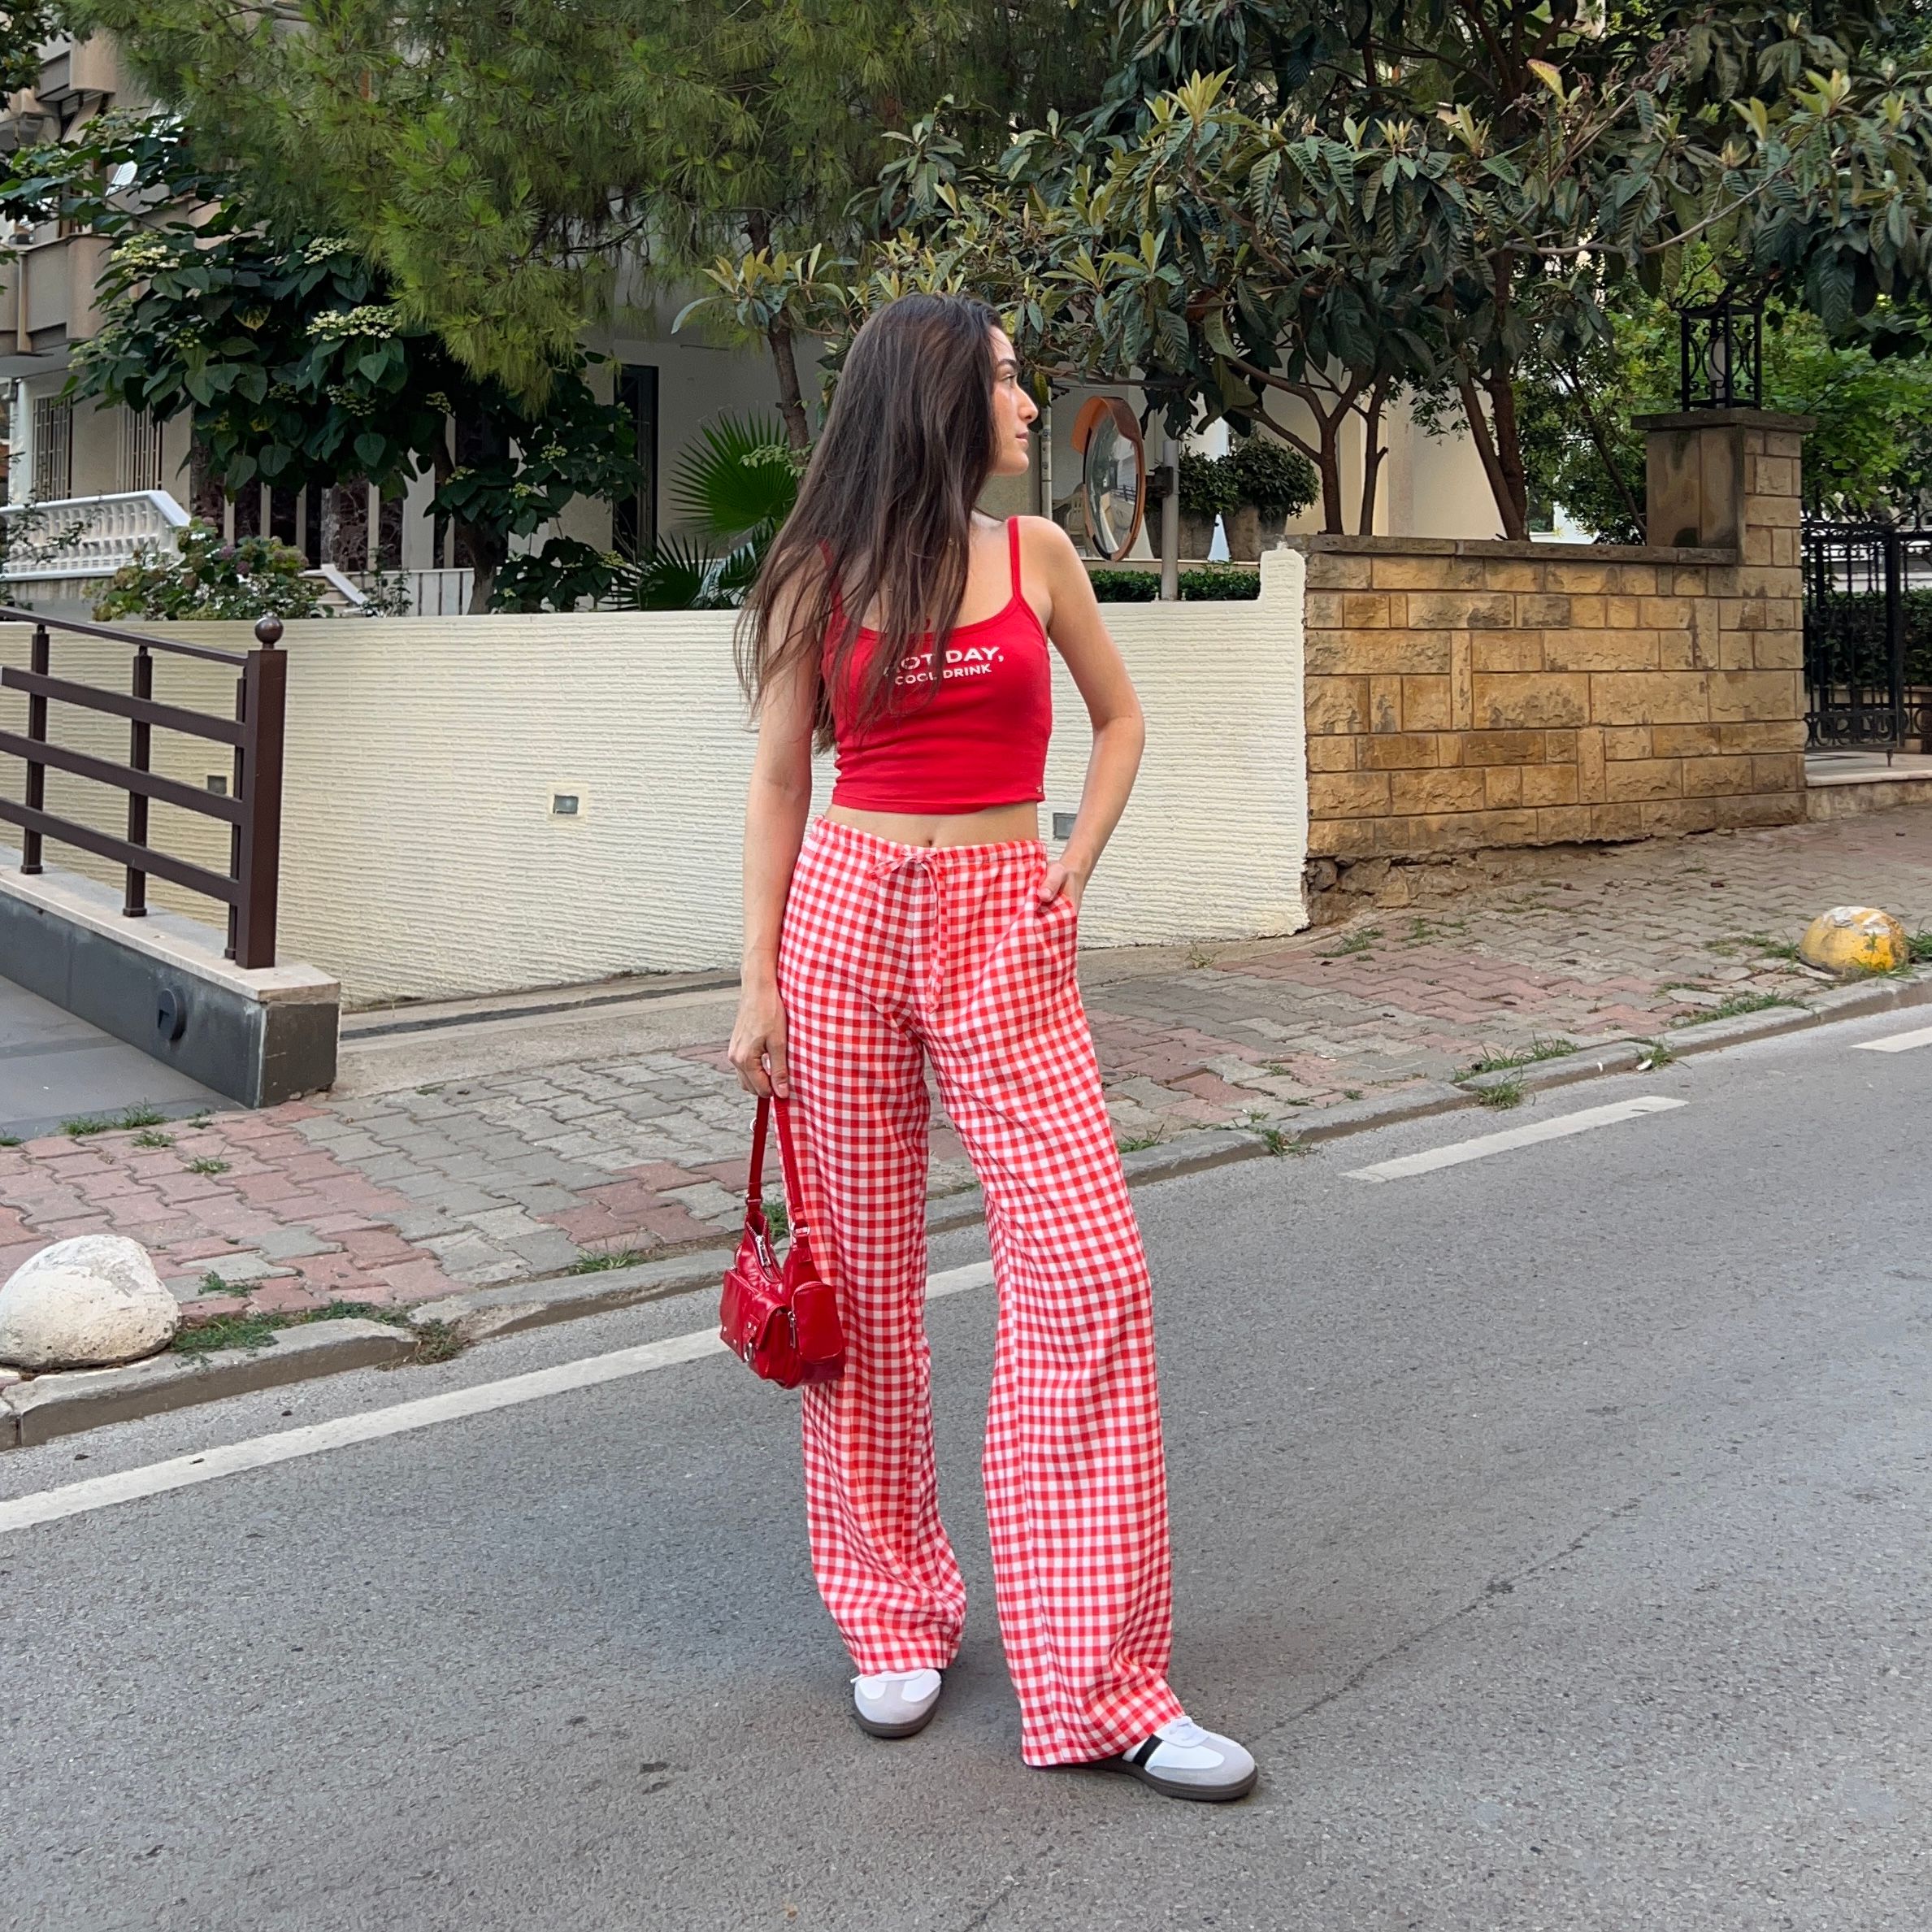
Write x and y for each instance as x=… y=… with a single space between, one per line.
x=891 y=954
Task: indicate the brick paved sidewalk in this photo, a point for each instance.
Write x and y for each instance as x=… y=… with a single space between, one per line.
x=403 y=1197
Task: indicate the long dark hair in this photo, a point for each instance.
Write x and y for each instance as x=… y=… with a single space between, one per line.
x=884 y=518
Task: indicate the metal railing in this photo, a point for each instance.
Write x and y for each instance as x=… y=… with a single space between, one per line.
x=1856 y=579
x=251 y=808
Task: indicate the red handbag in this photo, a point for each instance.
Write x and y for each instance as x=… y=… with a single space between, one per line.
x=779 y=1319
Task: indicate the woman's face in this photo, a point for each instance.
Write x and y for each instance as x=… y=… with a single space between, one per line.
x=1014 y=412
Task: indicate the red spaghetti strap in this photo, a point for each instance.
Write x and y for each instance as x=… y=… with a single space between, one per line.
x=1013 y=543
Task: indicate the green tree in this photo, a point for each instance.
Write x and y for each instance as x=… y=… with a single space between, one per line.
x=515 y=166
x=293 y=357
x=1870 y=455
x=24 y=31
x=1619 y=142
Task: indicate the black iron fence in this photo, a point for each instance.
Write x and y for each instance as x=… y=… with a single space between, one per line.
x=1868 y=636
x=251 y=807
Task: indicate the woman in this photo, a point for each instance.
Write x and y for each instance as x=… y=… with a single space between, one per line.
x=923 y=920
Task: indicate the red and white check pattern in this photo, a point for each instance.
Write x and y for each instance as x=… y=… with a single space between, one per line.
x=892 y=954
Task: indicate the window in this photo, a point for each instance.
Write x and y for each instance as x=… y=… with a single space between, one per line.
x=53 y=449
x=634 y=519
x=141 y=452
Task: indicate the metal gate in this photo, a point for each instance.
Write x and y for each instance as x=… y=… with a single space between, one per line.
x=1856 y=578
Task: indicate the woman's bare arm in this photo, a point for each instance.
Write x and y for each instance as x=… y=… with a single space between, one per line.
x=1073 y=621
x=775 y=811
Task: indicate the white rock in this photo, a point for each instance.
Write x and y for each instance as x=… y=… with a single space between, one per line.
x=84 y=1304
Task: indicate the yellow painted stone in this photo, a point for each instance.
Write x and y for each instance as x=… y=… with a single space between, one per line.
x=1854 y=939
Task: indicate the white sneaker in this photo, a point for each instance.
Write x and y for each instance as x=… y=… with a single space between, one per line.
x=1182 y=1760
x=894 y=1706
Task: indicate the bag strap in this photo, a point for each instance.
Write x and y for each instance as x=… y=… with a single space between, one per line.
x=787 y=1155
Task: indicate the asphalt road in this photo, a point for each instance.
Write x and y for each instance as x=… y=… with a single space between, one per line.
x=1552 y=1525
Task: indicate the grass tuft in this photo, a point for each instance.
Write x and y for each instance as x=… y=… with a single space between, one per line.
x=599 y=1264
x=1492 y=1062
x=1140 y=1143
x=247 y=1329
x=1918 y=946
x=1736 y=1006
x=1503 y=1093
x=1356 y=942
x=129 y=1118
x=207 y=1164
x=1656 y=1053
x=435 y=1341
x=438 y=1341
x=10 y=1140
x=151 y=1140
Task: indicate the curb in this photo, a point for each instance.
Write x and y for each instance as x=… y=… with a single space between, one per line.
x=46 y=1406
x=69 y=1400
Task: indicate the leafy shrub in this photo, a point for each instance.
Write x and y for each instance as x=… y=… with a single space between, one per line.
x=208 y=577
x=558 y=577
x=1867 y=657
x=1275 y=477
x=734 y=488
x=387 y=596
x=1197 y=587
x=1208 y=486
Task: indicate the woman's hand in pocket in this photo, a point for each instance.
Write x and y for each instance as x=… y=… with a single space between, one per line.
x=1061 y=881
x=758 y=1048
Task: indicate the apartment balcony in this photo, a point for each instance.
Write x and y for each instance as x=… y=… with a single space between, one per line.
x=25 y=121
x=74 y=544
x=78 y=74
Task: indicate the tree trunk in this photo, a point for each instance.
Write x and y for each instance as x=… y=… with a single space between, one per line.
x=248 y=511
x=1328 y=465
x=791 y=398
x=481 y=439
x=1515 y=519
x=1373 y=452
x=783 y=346
x=205 y=496
x=1509 y=447
x=345 y=526
x=1579 y=394
x=388 y=534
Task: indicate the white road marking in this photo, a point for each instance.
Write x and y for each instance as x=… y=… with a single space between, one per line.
x=1459 y=1151
x=1897 y=1043
x=315 y=1439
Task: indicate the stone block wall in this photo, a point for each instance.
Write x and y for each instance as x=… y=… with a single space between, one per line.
x=1463 y=696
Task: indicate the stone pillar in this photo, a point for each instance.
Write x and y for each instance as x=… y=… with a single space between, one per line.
x=1726 y=479
x=1733 y=480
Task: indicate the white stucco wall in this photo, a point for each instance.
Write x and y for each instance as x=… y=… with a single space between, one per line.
x=421 y=858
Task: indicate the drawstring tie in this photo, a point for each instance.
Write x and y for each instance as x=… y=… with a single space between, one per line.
x=919 y=858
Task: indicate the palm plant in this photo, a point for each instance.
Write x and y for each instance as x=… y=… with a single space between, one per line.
x=733 y=487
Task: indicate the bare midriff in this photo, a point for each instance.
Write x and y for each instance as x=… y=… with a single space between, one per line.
x=996 y=825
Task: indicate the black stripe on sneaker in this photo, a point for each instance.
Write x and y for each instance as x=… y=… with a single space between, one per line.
x=1138 y=1757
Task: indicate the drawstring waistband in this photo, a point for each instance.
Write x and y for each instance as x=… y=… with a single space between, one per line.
x=889 y=860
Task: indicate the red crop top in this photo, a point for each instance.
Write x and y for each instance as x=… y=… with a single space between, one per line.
x=979 y=740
